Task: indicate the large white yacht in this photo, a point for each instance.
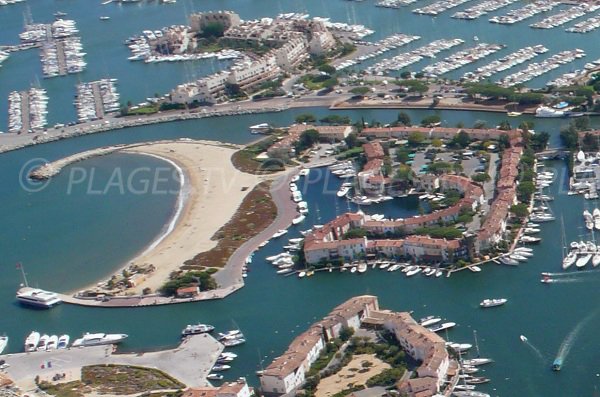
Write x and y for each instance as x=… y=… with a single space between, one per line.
x=32 y=341
x=545 y=111
x=37 y=297
x=99 y=339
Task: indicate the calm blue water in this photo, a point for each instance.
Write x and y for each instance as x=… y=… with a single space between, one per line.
x=68 y=239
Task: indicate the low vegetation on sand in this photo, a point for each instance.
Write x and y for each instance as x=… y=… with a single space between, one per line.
x=245 y=160
x=255 y=214
x=116 y=380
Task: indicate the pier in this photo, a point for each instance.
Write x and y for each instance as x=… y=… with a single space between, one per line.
x=27 y=111
x=95 y=99
x=190 y=362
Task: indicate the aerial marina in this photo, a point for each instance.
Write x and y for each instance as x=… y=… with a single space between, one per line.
x=535 y=69
x=506 y=62
x=379 y=48
x=402 y=60
x=525 y=12
x=62 y=57
x=95 y=99
x=27 y=111
x=394 y=3
x=565 y=16
x=438 y=7
x=482 y=8
x=461 y=58
x=586 y=26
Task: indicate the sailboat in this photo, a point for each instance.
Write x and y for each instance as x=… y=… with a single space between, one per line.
x=479 y=360
x=571 y=257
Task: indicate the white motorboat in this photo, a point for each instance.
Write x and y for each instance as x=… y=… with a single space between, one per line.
x=548 y=112
x=475 y=269
x=569 y=259
x=442 y=327
x=460 y=347
x=384 y=265
x=518 y=257
x=212 y=376
x=583 y=260
x=280 y=233
x=523 y=338
x=196 y=329
x=470 y=393
x=439 y=273
x=3 y=343
x=43 y=342
x=413 y=271
x=219 y=368
x=52 y=343
x=393 y=268
x=493 y=302
x=63 y=342
x=362 y=268
x=302 y=274
x=260 y=128
x=38 y=297
x=477 y=361
x=426 y=322
x=298 y=219
x=32 y=341
x=353 y=269
x=304 y=172
x=343 y=191
x=508 y=261
x=96 y=339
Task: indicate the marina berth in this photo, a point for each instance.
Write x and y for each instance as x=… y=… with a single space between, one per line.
x=525 y=12
x=505 y=63
x=482 y=8
x=439 y=7
x=534 y=70
x=378 y=49
x=95 y=99
x=461 y=58
x=565 y=16
x=402 y=60
x=586 y=26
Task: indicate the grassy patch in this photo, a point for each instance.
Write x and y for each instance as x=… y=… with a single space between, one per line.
x=245 y=159
x=255 y=214
x=116 y=380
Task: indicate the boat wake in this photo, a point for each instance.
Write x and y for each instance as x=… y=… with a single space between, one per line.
x=567 y=344
x=537 y=351
x=571 y=274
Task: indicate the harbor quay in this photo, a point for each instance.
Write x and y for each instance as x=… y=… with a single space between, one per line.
x=190 y=362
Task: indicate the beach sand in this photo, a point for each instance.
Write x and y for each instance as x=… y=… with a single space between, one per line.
x=213 y=187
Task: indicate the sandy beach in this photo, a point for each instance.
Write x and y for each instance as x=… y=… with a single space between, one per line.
x=212 y=194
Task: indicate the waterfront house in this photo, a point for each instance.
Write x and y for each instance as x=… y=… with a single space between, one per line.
x=188 y=292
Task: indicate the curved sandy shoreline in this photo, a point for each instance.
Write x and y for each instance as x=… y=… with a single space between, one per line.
x=211 y=190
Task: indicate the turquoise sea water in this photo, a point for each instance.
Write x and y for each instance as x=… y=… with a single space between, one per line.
x=70 y=239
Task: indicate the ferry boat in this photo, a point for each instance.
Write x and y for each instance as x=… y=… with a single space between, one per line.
x=99 y=339
x=3 y=343
x=32 y=341
x=493 y=302
x=38 y=297
x=557 y=364
x=196 y=329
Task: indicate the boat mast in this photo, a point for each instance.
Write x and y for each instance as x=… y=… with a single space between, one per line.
x=20 y=267
x=563 y=237
x=476 y=343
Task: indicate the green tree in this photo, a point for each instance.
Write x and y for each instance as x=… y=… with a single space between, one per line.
x=589 y=142
x=436 y=142
x=213 y=30
x=569 y=137
x=525 y=190
x=504 y=141
x=305 y=118
x=403 y=118
x=346 y=333
x=402 y=156
x=481 y=177
x=326 y=68
x=362 y=90
x=335 y=119
x=351 y=140
x=462 y=139
x=504 y=125
x=416 y=138
x=480 y=124
x=307 y=139
x=431 y=120
x=404 y=173
x=520 y=210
